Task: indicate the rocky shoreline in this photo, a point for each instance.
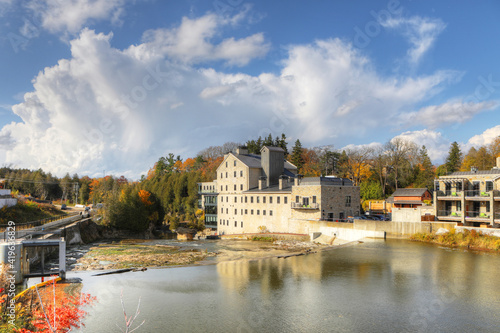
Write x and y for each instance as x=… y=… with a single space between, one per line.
x=121 y=254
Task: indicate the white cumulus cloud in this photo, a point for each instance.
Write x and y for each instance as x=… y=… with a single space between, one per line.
x=453 y=112
x=484 y=138
x=120 y=110
x=437 y=146
x=71 y=15
x=191 y=42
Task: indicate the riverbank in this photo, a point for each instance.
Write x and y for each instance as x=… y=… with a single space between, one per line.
x=466 y=239
x=164 y=253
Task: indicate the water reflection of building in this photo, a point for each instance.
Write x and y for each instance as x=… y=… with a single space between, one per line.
x=237 y=275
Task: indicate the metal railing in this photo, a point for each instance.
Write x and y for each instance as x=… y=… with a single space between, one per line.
x=477 y=214
x=449 y=193
x=299 y=205
x=478 y=193
x=449 y=213
x=37 y=223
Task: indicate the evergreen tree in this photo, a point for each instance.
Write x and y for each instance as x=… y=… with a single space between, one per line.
x=425 y=176
x=297 y=158
x=343 y=165
x=282 y=144
x=269 y=141
x=454 y=159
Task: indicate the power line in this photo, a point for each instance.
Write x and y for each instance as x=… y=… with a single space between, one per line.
x=34 y=181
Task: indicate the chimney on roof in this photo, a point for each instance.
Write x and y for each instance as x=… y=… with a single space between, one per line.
x=281 y=179
x=297 y=179
x=262 y=182
x=498 y=162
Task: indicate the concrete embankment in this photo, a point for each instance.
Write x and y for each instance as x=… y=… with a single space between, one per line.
x=359 y=229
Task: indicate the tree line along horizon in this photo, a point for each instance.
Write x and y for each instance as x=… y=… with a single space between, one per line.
x=169 y=191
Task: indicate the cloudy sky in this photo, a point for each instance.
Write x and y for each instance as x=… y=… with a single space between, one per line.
x=94 y=85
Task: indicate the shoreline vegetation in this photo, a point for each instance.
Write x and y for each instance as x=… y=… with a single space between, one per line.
x=469 y=239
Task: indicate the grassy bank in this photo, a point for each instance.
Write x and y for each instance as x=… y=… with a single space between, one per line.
x=469 y=239
x=28 y=211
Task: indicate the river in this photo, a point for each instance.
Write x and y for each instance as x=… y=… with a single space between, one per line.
x=376 y=286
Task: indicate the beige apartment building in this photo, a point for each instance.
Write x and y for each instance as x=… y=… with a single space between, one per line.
x=254 y=193
x=471 y=198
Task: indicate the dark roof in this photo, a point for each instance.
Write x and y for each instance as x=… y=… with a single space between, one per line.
x=254 y=161
x=409 y=192
x=326 y=181
x=407 y=202
x=479 y=172
x=250 y=160
x=272 y=188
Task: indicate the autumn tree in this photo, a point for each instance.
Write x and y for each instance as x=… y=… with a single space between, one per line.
x=381 y=167
x=358 y=165
x=494 y=147
x=133 y=209
x=469 y=160
x=311 y=166
x=400 y=153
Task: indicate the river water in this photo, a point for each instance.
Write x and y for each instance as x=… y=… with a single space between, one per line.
x=376 y=286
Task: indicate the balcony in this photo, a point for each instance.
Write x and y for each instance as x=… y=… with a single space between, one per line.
x=449 y=193
x=477 y=215
x=299 y=205
x=478 y=194
x=207 y=191
x=449 y=215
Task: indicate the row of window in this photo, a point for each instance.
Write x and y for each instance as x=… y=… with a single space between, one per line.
x=257 y=199
x=235 y=174
x=475 y=186
x=245 y=211
x=235 y=187
x=224 y=222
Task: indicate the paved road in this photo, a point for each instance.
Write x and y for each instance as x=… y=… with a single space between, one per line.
x=51 y=227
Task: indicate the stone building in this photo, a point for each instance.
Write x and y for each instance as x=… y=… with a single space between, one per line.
x=471 y=198
x=262 y=192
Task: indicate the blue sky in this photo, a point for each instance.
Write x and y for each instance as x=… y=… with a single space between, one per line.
x=92 y=85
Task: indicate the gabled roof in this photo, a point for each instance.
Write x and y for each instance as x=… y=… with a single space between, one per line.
x=250 y=160
x=273 y=148
x=254 y=161
x=409 y=192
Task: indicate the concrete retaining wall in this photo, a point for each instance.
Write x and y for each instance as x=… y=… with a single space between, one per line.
x=401 y=229
x=9 y=202
x=411 y=214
